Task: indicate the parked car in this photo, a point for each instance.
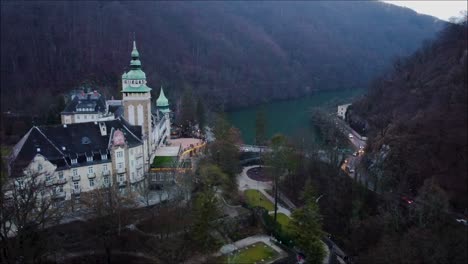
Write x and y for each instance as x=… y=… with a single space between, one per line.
x=407 y=200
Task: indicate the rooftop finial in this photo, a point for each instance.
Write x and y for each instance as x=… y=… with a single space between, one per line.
x=135 y=53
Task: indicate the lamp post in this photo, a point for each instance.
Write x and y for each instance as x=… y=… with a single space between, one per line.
x=316 y=200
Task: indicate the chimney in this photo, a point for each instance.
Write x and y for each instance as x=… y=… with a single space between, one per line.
x=103 y=129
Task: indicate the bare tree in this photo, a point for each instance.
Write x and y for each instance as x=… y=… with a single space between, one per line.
x=28 y=206
x=111 y=209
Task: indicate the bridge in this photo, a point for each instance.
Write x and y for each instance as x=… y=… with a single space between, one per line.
x=253 y=148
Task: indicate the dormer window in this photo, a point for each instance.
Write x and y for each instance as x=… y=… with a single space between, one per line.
x=89 y=159
x=104 y=157
x=74 y=161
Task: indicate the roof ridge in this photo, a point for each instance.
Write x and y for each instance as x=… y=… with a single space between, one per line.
x=50 y=141
x=17 y=148
x=123 y=124
x=110 y=137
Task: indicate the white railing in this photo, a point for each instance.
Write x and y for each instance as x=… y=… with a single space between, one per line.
x=76 y=177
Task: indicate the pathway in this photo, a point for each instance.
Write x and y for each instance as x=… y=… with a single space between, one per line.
x=245 y=183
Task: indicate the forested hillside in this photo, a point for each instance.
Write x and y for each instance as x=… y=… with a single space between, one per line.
x=419 y=110
x=232 y=53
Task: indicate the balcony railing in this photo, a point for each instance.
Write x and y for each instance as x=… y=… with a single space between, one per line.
x=91 y=175
x=50 y=182
x=122 y=183
x=138 y=179
x=61 y=181
x=59 y=195
x=76 y=177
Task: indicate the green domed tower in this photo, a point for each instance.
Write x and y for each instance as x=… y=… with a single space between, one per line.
x=162 y=103
x=136 y=99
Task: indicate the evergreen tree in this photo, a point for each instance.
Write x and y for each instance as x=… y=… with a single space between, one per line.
x=280 y=162
x=306 y=227
x=205 y=211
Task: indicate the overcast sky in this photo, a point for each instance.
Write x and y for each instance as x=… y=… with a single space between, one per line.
x=440 y=9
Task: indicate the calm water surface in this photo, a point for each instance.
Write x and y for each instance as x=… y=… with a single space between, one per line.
x=291 y=117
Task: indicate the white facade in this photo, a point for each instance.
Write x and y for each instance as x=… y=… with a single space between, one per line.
x=342 y=110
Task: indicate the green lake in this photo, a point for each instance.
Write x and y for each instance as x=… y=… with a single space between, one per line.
x=289 y=117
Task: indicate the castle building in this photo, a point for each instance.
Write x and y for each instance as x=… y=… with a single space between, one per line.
x=88 y=107
x=99 y=143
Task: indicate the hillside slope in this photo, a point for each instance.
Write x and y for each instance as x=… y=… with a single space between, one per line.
x=420 y=111
x=233 y=53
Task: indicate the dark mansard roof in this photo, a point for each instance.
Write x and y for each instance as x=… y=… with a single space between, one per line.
x=61 y=143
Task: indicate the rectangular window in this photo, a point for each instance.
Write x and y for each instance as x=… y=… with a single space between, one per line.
x=74 y=161
x=121 y=177
x=89 y=159
x=120 y=165
x=39 y=167
x=106 y=181
x=76 y=185
x=77 y=117
x=132 y=163
x=61 y=189
x=104 y=157
x=85 y=116
x=75 y=172
x=60 y=174
x=47 y=178
x=20 y=183
x=104 y=167
x=90 y=170
x=91 y=182
x=133 y=175
x=131 y=152
x=119 y=154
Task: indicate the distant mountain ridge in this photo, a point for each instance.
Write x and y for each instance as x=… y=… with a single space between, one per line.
x=230 y=53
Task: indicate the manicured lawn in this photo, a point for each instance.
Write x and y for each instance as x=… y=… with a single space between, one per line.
x=256 y=198
x=163 y=162
x=253 y=254
x=283 y=220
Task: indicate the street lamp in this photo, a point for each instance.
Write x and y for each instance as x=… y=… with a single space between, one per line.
x=316 y=200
